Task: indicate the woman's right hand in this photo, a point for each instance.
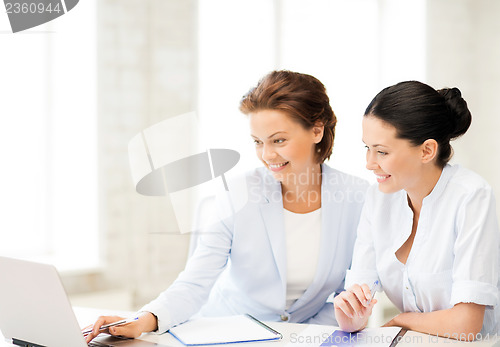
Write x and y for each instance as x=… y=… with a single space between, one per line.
x=147 y=322
x=353 y=307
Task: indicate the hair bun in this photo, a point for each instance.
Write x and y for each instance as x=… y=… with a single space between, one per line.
x=460 y=115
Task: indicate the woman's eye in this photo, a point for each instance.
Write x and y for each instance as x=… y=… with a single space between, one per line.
x=378 y=152
x=279 y=140
x=256 y=142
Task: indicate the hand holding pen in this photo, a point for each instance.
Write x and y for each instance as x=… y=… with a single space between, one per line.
x=119 y=326
x=106 y=326
x=354 y=306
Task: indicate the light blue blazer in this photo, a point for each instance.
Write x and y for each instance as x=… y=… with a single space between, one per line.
x=240 y=265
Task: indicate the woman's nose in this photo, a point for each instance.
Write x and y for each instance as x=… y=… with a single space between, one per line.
x=268 y=153
x=371 y=163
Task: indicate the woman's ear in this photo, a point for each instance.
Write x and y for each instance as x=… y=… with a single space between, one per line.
x=429 y=150
x=318 y=130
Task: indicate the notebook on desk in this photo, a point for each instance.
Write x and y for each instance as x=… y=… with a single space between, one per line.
x=35 y=310
x=223 y=330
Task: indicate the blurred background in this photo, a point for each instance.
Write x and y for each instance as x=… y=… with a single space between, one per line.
x=76 y=90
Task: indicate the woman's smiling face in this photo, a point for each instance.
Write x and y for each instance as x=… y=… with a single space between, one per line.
x=396 y=162
x=283 y=145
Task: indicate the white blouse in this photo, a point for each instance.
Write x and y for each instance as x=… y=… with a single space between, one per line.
x=303 y=232
x=455 y=256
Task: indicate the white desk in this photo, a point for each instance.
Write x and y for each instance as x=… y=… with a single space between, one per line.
x=293 y=335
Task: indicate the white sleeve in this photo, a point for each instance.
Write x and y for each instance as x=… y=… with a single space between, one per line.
x=364 y=267
x=476 y=263
x=192 y=287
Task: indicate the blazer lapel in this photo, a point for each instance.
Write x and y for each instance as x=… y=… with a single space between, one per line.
x=272 y=214
x=331 y=214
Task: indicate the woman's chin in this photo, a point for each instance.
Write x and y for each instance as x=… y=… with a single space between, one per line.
x=277 y=176
x=387 y=189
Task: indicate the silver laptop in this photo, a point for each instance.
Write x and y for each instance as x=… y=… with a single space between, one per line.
x=35 y=311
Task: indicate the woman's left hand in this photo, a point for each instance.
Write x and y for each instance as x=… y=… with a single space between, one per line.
x=353 y=307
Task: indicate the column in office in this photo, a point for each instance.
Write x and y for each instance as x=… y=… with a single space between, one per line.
x=147 y=72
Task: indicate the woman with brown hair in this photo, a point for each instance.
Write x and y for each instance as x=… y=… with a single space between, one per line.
x=284 y=255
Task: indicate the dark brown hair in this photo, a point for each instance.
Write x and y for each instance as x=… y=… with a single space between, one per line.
x=419 y=112
x=302 y=97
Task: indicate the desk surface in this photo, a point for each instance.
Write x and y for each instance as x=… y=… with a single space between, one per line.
x=293 y=334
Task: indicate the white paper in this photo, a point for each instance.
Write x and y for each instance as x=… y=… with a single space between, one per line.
x=214 y=330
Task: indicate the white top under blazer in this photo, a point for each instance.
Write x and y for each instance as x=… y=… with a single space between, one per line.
x=240 y=265
x=303 y=239
x=455 y=254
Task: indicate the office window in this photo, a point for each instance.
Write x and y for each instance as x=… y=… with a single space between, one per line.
x=237 y=45
x=355 y=48
x=49 y=138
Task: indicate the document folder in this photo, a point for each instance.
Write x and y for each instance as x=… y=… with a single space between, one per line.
x=208 y=331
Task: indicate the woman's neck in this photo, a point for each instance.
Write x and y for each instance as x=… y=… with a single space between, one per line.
x=303 y=194
x=424 y=187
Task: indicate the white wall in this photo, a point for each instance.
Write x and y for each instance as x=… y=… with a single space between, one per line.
x=464 y=51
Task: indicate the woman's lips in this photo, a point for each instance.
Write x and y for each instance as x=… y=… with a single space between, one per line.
x=277 y=167
x=382 y=178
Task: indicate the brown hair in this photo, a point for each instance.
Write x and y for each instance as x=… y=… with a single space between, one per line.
x=302 y=97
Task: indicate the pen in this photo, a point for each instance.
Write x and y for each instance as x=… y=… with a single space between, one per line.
x=120 y=322
x=372 y=291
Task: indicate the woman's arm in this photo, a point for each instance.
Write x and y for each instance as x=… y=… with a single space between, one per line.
x=461 y=322
x=351 y=306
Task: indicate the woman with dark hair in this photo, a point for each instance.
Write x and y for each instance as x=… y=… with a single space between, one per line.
x=428 y=234
x=284 y=255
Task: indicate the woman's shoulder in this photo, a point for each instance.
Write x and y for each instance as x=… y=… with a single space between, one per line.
x=236 y=190
x=248 y=184
x=466 y=180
